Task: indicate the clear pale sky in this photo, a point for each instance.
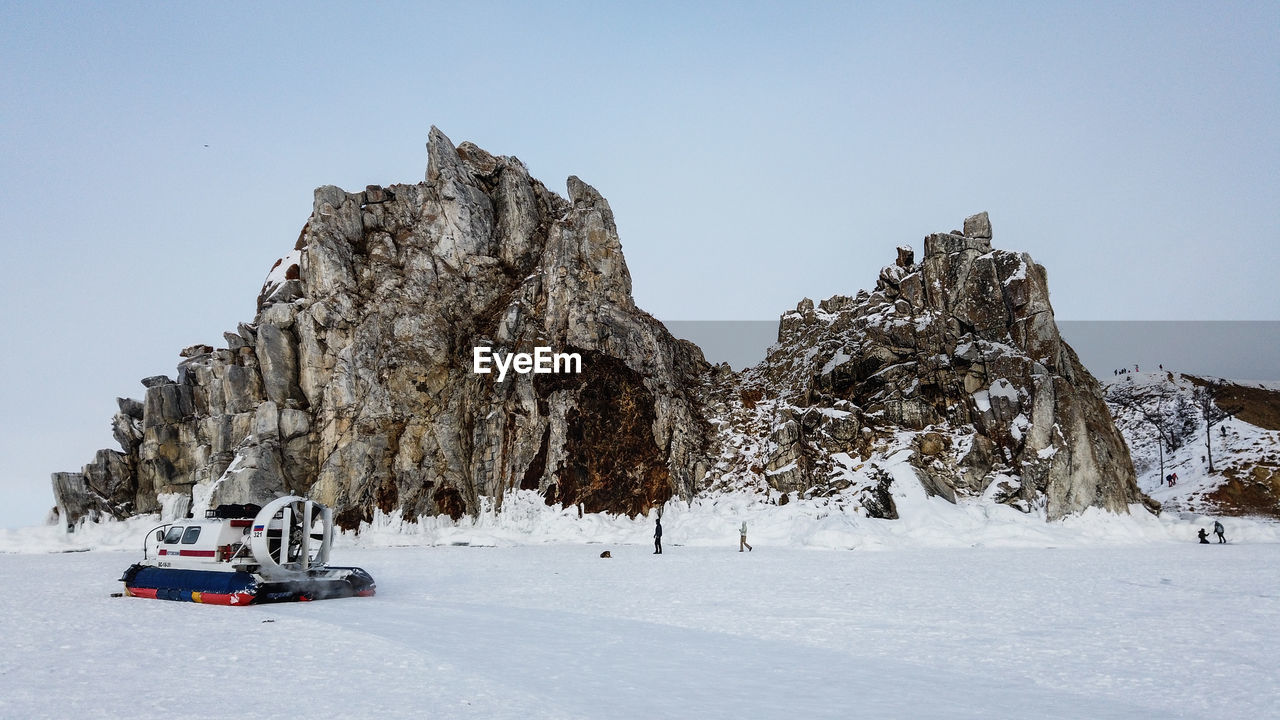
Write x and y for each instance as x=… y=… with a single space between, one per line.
x=157 y=158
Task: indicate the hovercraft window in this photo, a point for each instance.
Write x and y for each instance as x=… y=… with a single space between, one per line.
x=189 y=537
x=175 y=534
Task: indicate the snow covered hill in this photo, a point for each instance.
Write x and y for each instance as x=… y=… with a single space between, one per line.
x=1162 y=417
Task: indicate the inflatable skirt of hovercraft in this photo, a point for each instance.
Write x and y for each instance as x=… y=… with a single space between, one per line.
x=202 y=586
x=241 y=588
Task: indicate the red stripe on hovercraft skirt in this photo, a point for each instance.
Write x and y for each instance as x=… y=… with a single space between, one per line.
x=365 y=593
x=196 y=553
x=205 y=598
x=222 y=598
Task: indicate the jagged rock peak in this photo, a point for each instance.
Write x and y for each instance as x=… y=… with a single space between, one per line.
x=906 y=256
x=581 y=193
x=955 y=361
x=442 y=156
x=978 y=226
x=445 y=161
x=355 y=383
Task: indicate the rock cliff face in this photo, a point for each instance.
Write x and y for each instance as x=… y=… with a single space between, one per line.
x=355 y=385
x=954 y=364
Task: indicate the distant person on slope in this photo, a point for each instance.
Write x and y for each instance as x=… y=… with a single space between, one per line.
x=1204 y=536
x=657 y=537
x=1219 y=531
x=742 y=537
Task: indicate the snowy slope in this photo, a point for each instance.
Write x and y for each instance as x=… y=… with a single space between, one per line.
x=1237 y=446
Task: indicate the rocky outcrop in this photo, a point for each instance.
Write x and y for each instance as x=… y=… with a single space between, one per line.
x=107 y=486
x=953 y=362
x=355 y=384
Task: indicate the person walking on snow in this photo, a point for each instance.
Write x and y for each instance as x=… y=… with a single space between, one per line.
x=742 y=538
x=657 y=537
x=1219 y=531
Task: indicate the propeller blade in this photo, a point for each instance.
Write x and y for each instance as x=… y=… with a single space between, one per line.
x=305 y=549
x=286 y=518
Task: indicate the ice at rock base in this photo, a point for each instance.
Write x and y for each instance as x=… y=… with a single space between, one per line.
x=822 y=523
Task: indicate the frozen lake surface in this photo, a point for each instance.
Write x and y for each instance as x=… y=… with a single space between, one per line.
x=554 y=631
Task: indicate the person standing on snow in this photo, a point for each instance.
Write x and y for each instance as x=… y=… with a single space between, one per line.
x=742 y=537
x=657 y=537
x=1219 y=531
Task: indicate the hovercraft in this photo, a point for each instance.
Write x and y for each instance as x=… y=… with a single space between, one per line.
x=244 y=554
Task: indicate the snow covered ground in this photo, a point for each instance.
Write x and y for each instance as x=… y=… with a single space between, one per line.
x=1156 y=629
x=973 y=610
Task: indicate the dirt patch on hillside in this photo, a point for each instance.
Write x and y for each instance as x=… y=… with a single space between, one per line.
x=1256 y=492
x=1257 y=406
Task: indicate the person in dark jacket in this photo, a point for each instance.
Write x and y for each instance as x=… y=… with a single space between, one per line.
x=1219 y=531
x=1204 y=536
x=657 y=537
